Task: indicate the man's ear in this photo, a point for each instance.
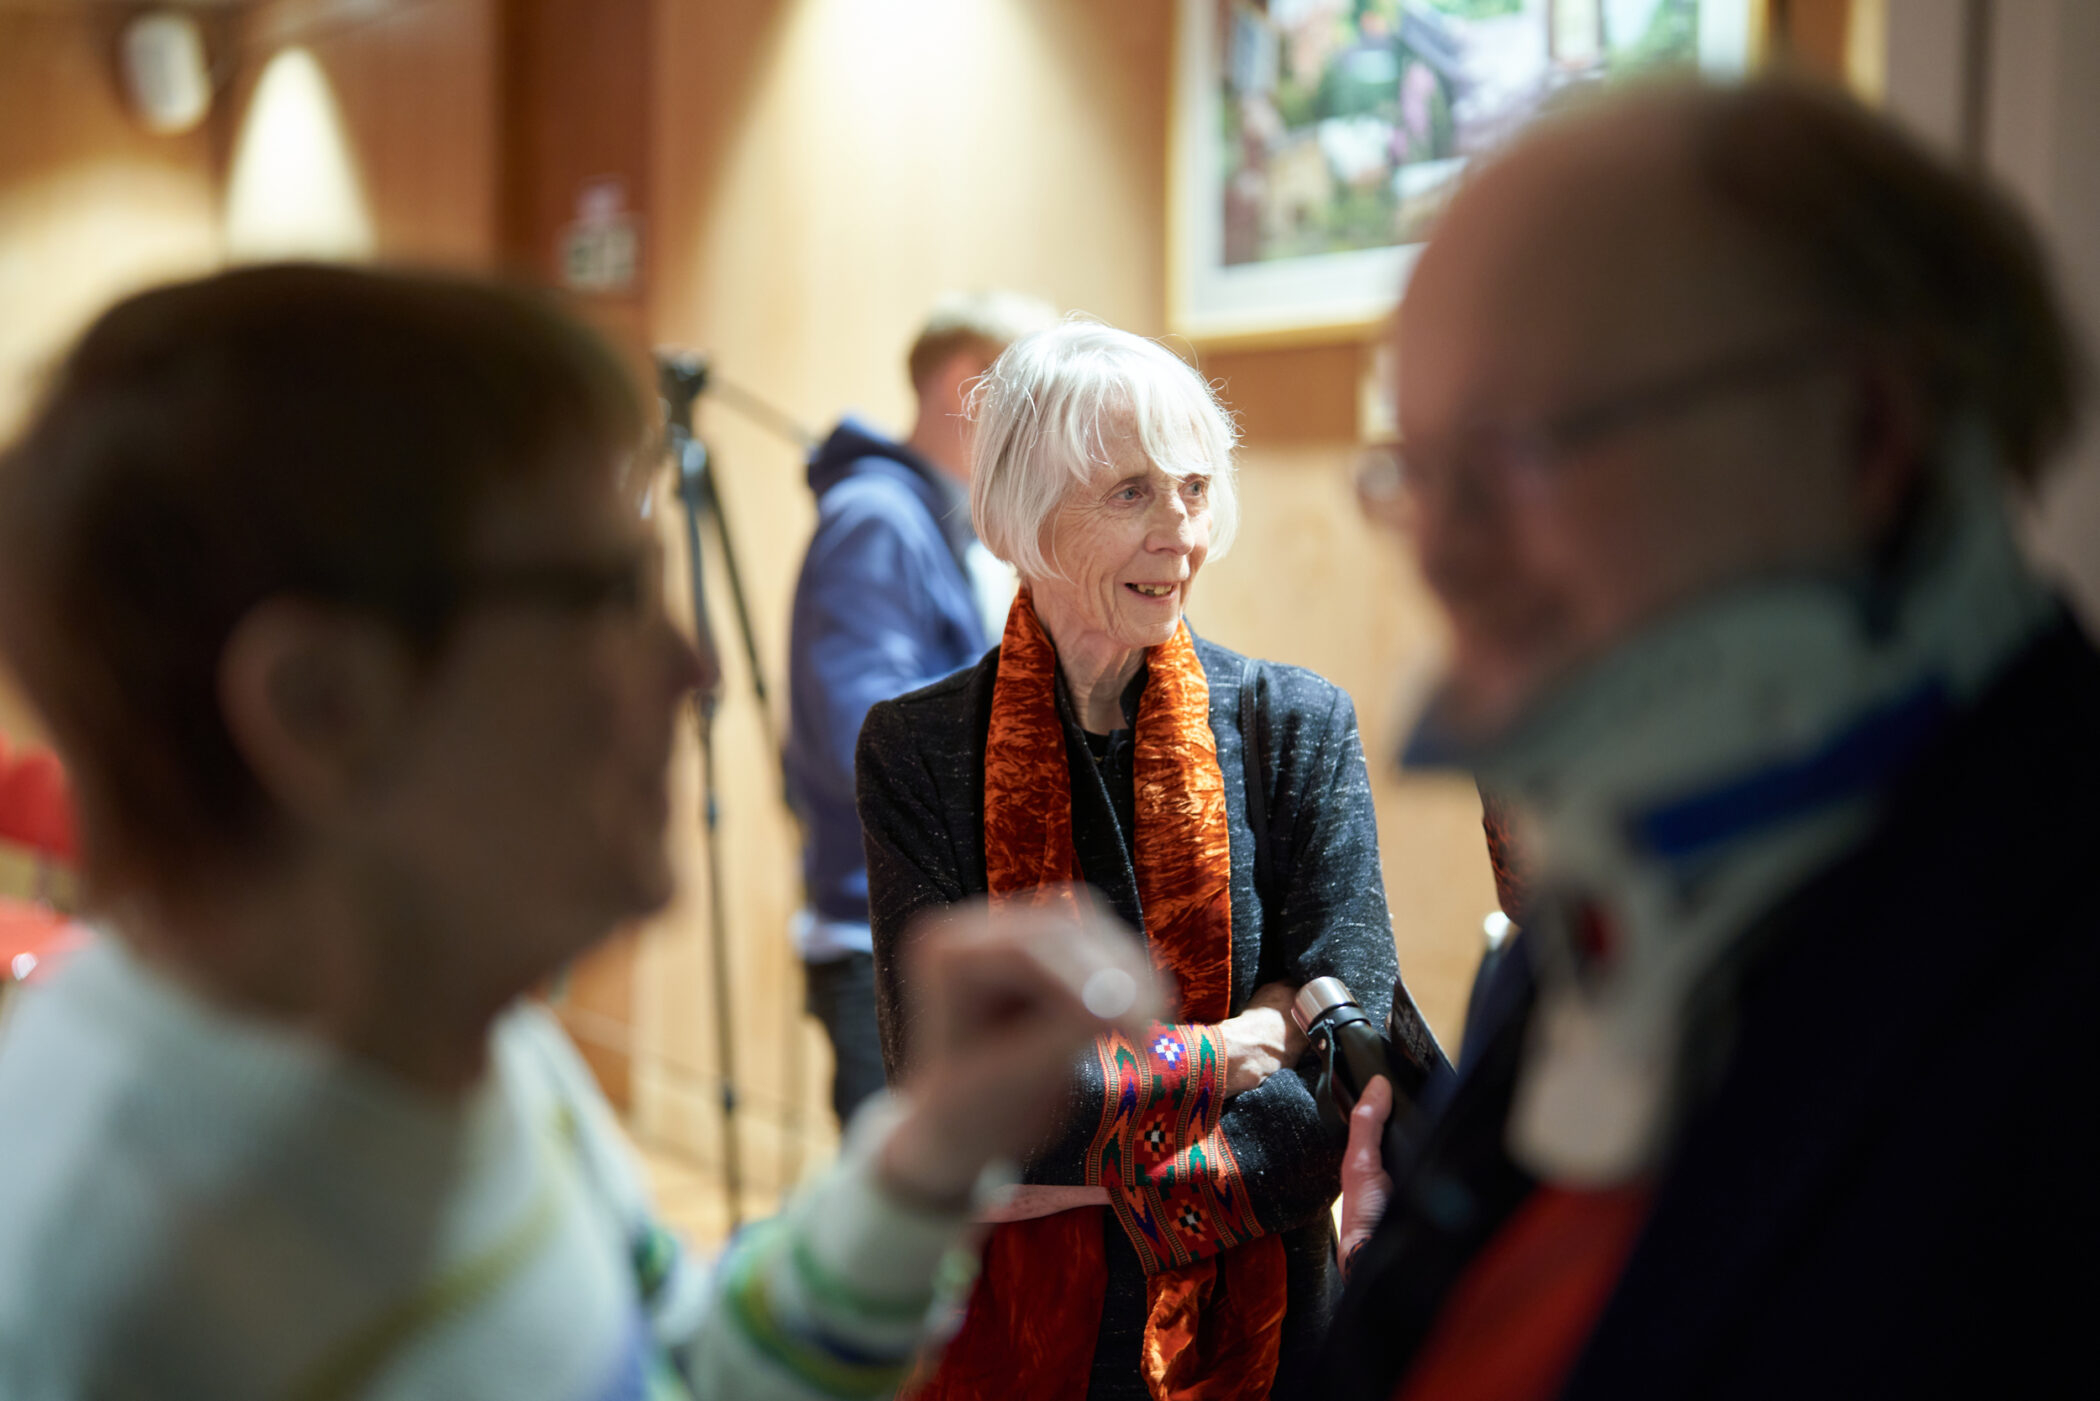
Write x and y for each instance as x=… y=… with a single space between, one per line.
x=1890 y=435
x=313 y=697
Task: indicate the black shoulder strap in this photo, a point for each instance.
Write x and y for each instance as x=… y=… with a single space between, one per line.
x=1254 y=756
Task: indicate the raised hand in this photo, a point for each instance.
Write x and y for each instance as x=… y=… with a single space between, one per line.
x=1365 y=1187
x=1007 y=998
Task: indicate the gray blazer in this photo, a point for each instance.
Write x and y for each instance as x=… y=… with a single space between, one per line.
x=921 y=790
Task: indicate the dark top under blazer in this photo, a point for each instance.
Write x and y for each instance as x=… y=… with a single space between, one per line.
x=1888 y=1183
x=921 y=782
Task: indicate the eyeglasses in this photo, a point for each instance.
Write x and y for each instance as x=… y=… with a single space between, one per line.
x=625 y=586
x=1526 y=456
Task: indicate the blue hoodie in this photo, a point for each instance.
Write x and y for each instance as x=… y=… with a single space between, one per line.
x=884 y=605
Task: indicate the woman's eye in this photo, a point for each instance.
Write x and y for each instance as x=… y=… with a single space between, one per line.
x=1130 y=492
x=1196 y=487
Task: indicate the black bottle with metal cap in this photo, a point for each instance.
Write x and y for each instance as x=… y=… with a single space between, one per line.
x=1351 y=1049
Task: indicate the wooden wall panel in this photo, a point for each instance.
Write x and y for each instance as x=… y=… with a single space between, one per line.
x=415 y=81
x=1812 y=36
x=574 y=110
x=825 y=169
x=813 y=174
x=91 y=206
x=1311 y=583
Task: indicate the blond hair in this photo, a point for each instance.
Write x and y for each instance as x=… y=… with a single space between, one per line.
x=986 y=322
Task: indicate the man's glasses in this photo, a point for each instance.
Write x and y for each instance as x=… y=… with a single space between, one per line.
x=1526 y=456
x=628 y=587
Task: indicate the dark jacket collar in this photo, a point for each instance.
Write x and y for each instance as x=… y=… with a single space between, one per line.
x=1844 y=996
x=1856 y=985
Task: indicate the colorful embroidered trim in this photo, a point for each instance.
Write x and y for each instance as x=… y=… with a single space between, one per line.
x=1172 y=1178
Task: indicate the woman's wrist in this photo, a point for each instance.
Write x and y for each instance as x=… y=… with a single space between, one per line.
x=1257 y=1045
x=923 y=1168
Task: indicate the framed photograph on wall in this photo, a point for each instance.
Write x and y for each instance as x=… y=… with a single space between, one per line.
x=1314 y=140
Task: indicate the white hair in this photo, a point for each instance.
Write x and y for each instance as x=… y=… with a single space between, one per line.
x=1045 y=411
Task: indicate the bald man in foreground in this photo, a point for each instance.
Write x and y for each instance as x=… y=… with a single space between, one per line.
x=1714 y=405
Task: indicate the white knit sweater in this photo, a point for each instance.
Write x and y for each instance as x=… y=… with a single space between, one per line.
x=195 y=1205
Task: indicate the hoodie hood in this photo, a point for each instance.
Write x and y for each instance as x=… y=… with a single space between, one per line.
x=886 y=603
x=856 y=449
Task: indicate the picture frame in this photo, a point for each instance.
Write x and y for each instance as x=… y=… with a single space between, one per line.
x=1312 y=140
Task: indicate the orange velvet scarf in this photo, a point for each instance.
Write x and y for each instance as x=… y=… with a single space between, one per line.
x=1215 y=1282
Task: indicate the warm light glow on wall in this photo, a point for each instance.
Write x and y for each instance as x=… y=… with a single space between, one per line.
x=295 y=190
x=72 y=241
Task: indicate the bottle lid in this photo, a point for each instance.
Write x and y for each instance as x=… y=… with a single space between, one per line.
x=1319 y=997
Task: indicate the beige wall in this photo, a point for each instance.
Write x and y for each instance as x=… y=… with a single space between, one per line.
x=821 y=170
x=826 y=168
x=415 y=89
x=2042 y=138
x=2024 y=105
x=93 y=206
x=90 y=206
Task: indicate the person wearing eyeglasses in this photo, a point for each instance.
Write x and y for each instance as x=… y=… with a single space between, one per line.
x=1172 y=1237
x=335 y=590
x=1716 y=407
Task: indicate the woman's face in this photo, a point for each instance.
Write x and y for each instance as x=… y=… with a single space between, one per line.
x=1128 y=543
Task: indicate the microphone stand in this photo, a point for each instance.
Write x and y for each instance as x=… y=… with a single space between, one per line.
x=681 y=380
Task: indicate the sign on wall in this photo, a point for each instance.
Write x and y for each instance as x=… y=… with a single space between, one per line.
x=601 y=248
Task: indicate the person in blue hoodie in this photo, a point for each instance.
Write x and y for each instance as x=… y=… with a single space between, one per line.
x=894 y=593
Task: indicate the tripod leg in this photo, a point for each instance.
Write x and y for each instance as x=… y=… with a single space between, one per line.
x=705 y=479
x=692 y=464
x=710 y=483
x=725 y=1033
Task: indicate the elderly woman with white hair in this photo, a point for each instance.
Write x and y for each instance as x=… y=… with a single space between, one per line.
x=1175 y=1242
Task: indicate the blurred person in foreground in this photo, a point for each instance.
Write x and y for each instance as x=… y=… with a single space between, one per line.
x=336 y=591
x=895 y=592
x=1713 y=400
x=1173 y=1240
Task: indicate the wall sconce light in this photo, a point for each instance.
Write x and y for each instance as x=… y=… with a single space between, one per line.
x=165 y=75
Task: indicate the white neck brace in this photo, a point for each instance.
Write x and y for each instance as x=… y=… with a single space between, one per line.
x=1685 y=783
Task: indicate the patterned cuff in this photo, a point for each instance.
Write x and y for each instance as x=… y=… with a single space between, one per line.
x=1171 y=1177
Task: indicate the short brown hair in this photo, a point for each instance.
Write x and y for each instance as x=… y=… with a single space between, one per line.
x=1901 y=246
x=289 y=430
x=983 y=322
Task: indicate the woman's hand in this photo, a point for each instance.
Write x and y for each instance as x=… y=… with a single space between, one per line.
x=1007 y=998
x=1365 y=1187
x=1261 y=1040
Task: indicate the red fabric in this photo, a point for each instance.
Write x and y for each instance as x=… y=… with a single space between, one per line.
x=1215 y=1285
x=1512 y=873
x=1029 y=1333
x=39 y=931
x=1514 y=1326
x=35 y=811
